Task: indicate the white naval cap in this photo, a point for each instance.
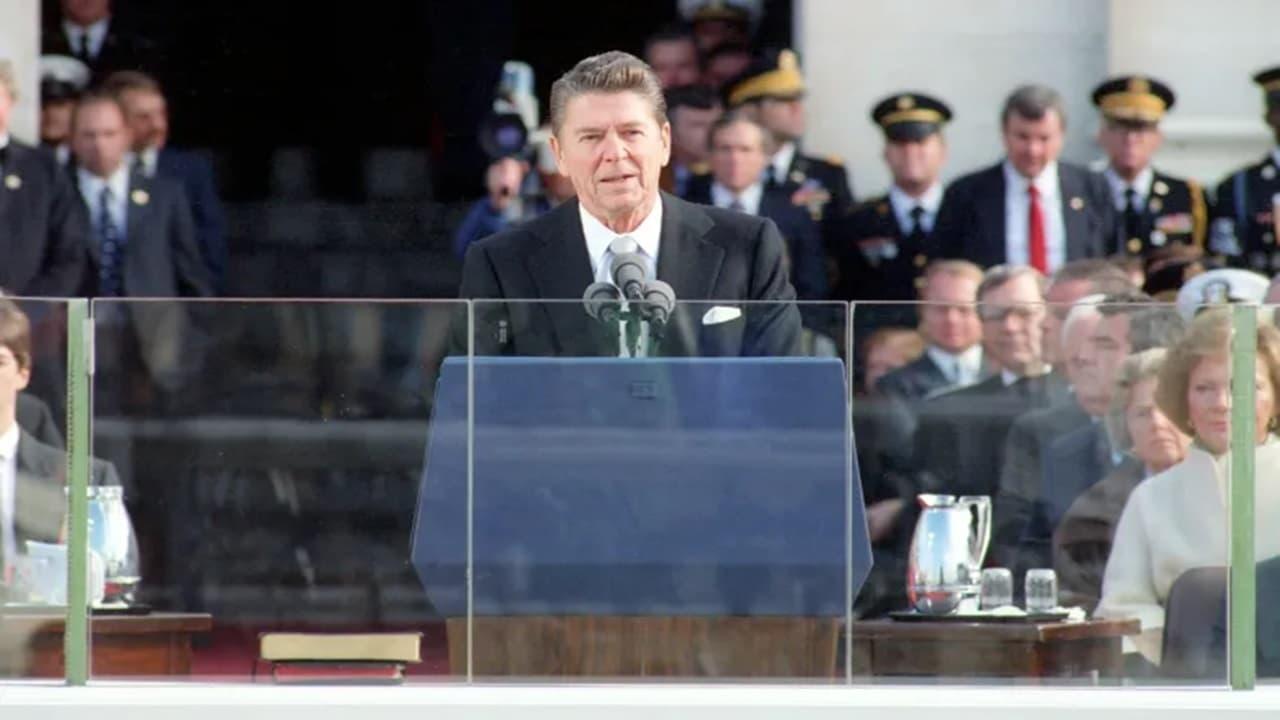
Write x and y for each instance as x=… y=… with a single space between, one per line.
x=1224 y=285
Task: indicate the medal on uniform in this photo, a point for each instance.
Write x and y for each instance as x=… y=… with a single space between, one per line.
x=1160 y=188
x=1134 y=246
x=140 y=197
x=1158 y=238
x=1077 y=203
x=13 y=182
x=1268 y=172
x=797 y=177
x=1156 y=205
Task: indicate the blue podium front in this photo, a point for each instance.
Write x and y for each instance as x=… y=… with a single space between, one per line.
x=673 y=486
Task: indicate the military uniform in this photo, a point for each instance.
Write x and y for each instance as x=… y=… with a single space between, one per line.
x=822 y=182
x=1154 y=210
x=1245 y=220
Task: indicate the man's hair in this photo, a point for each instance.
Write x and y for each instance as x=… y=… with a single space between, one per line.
x=952 y=268
x=7 y=79
x=1032 y=102
x=122 y=81
x=611 y=72
x=999 y=275
x=1155 y=326
x=675 y=32
x=1103 y=276
x=698 y=97
x=734 y=117
x=15 y=332
x=97 y=96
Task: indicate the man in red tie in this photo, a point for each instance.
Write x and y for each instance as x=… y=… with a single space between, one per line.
x=1028 y=209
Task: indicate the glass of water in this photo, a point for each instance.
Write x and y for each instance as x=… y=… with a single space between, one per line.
x=1042 y=590
x=997 y=588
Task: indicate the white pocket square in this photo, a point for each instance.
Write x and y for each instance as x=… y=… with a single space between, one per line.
x=721 y=314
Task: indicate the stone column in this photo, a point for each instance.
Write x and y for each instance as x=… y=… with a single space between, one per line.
x=20 y=44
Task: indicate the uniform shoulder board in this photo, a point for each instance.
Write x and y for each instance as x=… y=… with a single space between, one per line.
x=834 y=160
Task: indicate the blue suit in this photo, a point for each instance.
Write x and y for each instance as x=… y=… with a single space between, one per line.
x=196 y=176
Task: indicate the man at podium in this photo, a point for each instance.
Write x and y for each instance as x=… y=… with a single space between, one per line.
x=611 y=139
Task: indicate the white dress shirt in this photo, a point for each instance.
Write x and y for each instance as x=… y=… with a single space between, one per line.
x=4 y=140
x=97 y=35
x=91 y=190
x=1017 y=208
x=1141 y=185
x=598 y=237
x=749 y=199
x=961 y=369
x=8 y=483
x=149 y=160
x=903 y=204
x=781 y=161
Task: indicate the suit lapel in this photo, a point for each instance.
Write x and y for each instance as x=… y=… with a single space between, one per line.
x=1075 y=219
x=561 y=270
x=990 y=209
x=686 y=260
x=38 y=499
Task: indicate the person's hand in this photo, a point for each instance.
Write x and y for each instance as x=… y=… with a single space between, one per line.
x=881 y=517
x=502 y=181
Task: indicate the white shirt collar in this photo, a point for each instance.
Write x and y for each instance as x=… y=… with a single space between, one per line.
x=749 y=198
x=149 y=160
x=9 y=443
x=4 y=139
x=1046 y=182
x=647 y=235
x=903 y=203
x=91 y=185
x=970 y=359
x=97 y=35
x=781 y=160
x=1141 y=185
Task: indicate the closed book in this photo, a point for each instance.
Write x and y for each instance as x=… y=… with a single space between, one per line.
x=337 y=672
x=375 y=647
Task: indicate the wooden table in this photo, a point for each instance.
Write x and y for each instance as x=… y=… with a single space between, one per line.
x=963 y=650
x=154 y=645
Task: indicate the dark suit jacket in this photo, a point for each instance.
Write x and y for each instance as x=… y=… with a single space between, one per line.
x=705 y=254
x=44 y=230
x=808 y=265
x=196 y=175
x=123 y=48
x=1083 y=538
x=161 y=255
x=39 y=500
x=971 y=222
x=1022 y=475
x=35 y=417
x=886 y=422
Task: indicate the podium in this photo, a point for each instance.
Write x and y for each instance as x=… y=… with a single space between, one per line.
x=652 y=517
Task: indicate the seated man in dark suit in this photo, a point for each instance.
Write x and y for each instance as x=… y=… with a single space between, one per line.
x=43 y=229
x=1029 y=209
x=147 y=114
x=611 y=138
x=738 y=158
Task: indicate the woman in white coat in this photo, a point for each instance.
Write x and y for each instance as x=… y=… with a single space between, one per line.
x=1177 y=520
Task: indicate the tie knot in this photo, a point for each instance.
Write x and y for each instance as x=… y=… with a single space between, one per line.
x=623 y=244
x=1033 y=191
x=916 y=213
x=105 y=195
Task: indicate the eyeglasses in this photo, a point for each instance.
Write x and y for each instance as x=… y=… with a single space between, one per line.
x=997 y=313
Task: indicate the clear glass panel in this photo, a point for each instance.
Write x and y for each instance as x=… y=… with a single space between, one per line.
x=33 y=500
x=679 y=513
x=1266 y=478
x=1050 y=416
x=270 y=456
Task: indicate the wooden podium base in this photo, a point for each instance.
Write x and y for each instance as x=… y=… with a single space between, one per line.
x=642 y=646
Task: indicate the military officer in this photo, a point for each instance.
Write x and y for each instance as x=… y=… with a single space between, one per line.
x=1244 y=228
x=1155 y=210
x=885 y=246
x=771 y=92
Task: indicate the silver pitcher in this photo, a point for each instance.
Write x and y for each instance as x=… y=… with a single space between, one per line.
x=111 y=536
x=947 y=550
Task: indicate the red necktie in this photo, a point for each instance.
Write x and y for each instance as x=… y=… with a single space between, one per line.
x=1035 y=232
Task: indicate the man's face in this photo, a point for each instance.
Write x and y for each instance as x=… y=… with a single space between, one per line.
x=55 y=121
x=1129 y=146
x=689 y=127
x=724 y=67
x=674 y=61
x=6 y=108
x=783 y=118
x=99 y=137
x=1082 y=369
x=147 y=114
x=1060 y=297
x=1104 y=351
x=613 y=148
x=916 y=163
x=1012 y=317
x=948 y=318
x=1032 y=144
x=13 y=379
x=85 y=12
x=737 y=156
x=710 y=33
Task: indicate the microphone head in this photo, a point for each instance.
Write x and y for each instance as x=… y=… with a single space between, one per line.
x=660 y=300
x=628 y=272
x=600 y=297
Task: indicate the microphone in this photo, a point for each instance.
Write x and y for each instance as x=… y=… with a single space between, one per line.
x=628 y=271
x=659 y=303
x=603 y=302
